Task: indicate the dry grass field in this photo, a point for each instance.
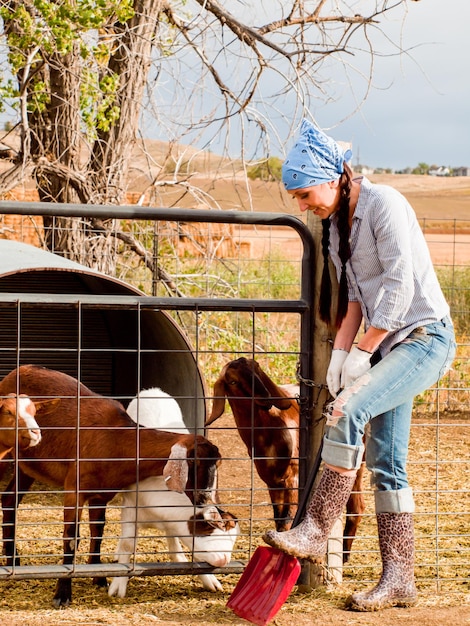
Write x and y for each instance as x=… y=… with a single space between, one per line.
x=441 y=204
x=437 y=201
x=433 y=197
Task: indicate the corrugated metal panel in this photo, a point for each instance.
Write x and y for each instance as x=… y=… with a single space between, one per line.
x=113 y=351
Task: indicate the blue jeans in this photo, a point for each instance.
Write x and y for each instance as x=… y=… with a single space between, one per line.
x=383 y=398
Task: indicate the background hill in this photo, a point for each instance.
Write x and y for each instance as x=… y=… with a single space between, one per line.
x=223 y=185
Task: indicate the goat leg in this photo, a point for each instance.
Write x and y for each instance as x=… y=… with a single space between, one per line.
x=284 y=501
x=11 y=498
x=291 y=497
x=126 y=547
x=97 y=515
x=175 y=550
x=280 y=509
x=72 y=515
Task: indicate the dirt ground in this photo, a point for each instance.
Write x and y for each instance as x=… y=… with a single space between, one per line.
x=194 y=608
x=181 y=601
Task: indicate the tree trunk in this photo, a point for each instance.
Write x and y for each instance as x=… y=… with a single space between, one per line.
x=58 y=143
x=130 y=61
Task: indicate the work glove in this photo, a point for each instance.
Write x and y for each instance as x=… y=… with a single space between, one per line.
x=355 y=365
x=333 y=375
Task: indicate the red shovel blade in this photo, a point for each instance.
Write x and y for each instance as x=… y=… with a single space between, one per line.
x=264 y=585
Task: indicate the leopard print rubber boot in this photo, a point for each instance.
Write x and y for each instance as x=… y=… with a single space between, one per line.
x=396 y=586
x=308 y=540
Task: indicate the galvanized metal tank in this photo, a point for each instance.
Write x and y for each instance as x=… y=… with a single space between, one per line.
x=114 y=350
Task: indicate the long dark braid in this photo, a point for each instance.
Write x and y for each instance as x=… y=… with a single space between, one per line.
x=325 y=289
x=344 y=252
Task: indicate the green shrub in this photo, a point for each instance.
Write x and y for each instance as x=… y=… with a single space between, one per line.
x=455 y=283
x=268 y=170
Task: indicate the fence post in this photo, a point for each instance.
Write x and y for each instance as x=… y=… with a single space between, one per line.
x=323 y=335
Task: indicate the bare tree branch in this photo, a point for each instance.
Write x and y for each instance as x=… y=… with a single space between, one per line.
x=195 y=72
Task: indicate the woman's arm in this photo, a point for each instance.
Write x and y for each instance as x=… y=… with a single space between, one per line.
x=349 y=327
x=347 y=332
x=372 y=339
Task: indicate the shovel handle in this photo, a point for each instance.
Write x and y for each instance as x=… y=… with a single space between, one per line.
x=308 y=487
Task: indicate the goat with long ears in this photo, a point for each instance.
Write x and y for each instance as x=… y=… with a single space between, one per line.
x=207 y=532
x=92 y=449
x=267 y=418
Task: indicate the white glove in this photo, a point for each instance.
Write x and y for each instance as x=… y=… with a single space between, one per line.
x=356 y=364
x=333 y=375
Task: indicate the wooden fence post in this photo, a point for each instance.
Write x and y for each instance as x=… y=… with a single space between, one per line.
x=323 y=336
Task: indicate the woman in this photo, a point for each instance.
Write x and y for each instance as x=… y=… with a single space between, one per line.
x=387 y=281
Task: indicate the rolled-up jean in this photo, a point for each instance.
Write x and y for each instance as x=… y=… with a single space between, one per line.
x=383 y=398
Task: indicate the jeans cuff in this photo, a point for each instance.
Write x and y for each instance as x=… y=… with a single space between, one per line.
x=399 y=501
x=341 y=454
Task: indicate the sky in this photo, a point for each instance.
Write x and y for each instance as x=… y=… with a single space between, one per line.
x=419 y=108
x=424 y=115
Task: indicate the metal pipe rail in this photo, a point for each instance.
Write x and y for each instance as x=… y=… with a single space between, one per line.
x=86 y=570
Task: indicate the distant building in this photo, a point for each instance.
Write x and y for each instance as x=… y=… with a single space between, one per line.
x=439 y=171
x=364 y=169
x=461 y=171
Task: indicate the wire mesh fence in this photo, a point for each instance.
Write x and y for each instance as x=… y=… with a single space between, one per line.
x=233 y=289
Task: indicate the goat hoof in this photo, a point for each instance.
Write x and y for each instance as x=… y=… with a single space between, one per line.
x=100 y=581
x=63 y=594
x=60 y=603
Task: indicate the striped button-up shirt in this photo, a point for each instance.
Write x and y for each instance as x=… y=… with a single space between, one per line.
x=390 y=272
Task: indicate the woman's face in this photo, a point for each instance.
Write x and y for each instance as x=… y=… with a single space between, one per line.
x=322 y=199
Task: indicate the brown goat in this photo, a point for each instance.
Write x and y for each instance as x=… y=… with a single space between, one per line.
x=109 y=444
x=267 y=420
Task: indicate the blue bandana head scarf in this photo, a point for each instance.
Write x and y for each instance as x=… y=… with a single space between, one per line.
x=315 y=159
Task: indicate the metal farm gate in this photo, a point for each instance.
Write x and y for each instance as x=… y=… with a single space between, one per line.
x=244 y=285
x=116 y=340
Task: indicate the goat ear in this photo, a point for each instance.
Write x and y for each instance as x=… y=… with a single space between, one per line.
x=176 y=470
x=213 y=517
x=275 y=393
x=282 y=403
x=44 y=407
x=218 y=404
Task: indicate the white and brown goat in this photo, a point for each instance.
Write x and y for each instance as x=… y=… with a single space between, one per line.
x=206 y=531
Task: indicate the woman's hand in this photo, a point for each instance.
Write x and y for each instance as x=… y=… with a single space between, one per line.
x=333 y=375
x=355 y=365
